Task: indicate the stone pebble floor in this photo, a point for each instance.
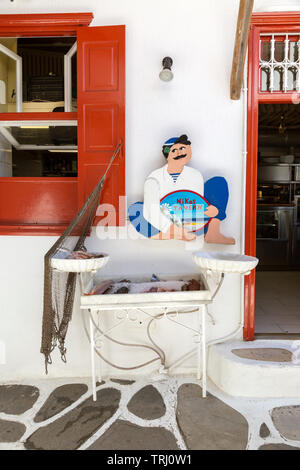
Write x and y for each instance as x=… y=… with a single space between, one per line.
x=164 y=414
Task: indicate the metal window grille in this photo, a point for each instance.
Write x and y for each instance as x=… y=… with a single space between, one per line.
x=279 y=62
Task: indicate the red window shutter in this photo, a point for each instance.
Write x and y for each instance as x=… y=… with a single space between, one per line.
x=101 y=110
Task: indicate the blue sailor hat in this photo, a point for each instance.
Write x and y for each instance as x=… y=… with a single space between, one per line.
x=171 y=141
x=168 y=144
x=174 y=140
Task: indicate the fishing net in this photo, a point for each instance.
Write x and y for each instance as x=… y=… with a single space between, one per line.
x=59 y=286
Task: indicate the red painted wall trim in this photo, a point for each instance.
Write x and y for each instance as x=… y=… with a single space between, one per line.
x=251 y=169
x=273 y=18
x=32 y=230
x=261 y=22
x=38 y=116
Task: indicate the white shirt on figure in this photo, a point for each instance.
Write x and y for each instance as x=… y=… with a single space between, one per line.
x=160 y=183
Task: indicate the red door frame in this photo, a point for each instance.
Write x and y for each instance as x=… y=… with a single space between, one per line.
x=260 y=23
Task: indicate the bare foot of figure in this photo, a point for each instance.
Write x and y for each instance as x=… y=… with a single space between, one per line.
x=158 y=236
x=214 y=235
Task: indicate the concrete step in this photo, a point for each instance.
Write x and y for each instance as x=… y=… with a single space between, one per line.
x=261 y=368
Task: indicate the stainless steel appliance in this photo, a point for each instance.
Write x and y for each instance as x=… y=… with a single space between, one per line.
x=274 y=246
x=297 y=211
x=278 y=215
x=275 y=172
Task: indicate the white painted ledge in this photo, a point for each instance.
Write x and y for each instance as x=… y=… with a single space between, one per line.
x=251 y=378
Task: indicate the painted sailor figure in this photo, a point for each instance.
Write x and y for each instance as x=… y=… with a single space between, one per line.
x=177 y=203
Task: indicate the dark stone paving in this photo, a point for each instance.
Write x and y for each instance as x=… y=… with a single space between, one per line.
x=16 y=399
x=123 y=435
x=278 y=447
x=11 y=431
x=207 y=423
x=264 y=431
x=122 y=381
x=147 y=403
x=287 y=421
x=71 y=430
x=264 y=354
x=59 y=399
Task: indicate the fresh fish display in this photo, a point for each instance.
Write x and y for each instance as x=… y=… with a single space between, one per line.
x=80 y=254
x=101 y=288
x=126 y=287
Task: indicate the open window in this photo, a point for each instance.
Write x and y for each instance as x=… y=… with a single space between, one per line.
x=38 y=74
x=62 y=114
x=46 y=148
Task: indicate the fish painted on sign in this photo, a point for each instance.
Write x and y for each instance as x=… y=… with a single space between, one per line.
x=186 y=209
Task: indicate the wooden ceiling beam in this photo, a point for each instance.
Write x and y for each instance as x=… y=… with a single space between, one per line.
x=240 y=48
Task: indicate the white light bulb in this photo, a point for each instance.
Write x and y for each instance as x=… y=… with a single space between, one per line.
x=166 y=75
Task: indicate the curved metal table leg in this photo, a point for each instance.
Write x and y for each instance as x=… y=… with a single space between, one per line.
x=92 y=351
x=203 y=344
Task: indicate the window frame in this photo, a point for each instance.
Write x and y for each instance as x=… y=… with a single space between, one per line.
x=19 y=146
x=19 y=76
x=41 y=25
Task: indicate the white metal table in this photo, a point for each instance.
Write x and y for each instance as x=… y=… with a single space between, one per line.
x=171 y=305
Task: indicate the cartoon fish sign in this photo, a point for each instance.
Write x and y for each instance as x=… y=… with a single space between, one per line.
x=186 y=208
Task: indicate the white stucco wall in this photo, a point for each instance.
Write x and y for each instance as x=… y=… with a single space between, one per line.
x=276 y=5
x=199 y=36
